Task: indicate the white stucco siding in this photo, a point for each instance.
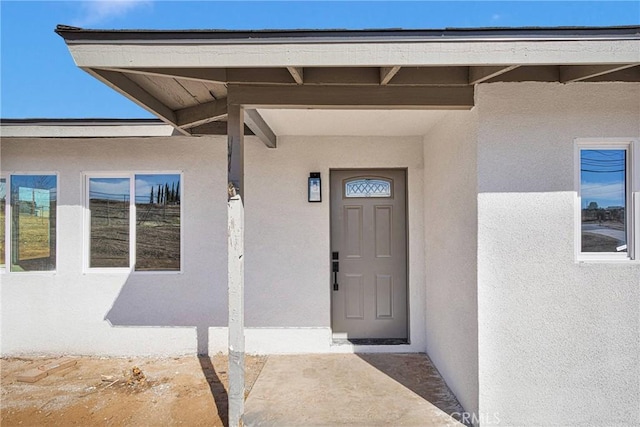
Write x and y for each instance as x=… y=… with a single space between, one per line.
x=287 y=280
x=559 y=341
x=287 y=264
x=450 y=239
x=119 y=313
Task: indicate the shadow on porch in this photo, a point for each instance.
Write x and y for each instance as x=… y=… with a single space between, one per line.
x=351 y=389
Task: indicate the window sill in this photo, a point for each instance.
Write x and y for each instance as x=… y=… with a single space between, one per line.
x=29 y=273
x=128 y=271
x=604 y=260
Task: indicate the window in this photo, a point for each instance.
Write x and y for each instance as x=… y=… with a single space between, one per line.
x=157 y=222
x=33 y=222
x=605 y=192
x=110 y=219
x=145 y=234
x=367 y=187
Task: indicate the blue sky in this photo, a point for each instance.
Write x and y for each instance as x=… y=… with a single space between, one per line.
x=119 y=188
x=39 y=78
x=145 y=182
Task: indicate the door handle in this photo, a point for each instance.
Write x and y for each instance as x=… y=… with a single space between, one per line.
x=335 y=268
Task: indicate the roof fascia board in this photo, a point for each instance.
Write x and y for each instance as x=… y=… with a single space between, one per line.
x=74 y=34
x=84 y=131
x=579 y=52
x=83 y=121
x=340 y=40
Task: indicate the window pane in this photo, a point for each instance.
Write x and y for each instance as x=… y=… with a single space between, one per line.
x=157 y=222
x=33 y=222
x=109 y=207
x=604 y=205
x=367 y=187
x=3 y=201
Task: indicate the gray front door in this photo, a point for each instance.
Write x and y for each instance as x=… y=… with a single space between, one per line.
x=369 y=240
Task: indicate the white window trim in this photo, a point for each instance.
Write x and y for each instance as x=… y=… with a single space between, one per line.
x=7 y=204
x=632 y=146
x=9 y=231
x=86 y=245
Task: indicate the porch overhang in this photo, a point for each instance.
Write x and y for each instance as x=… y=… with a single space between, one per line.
x=190 y=78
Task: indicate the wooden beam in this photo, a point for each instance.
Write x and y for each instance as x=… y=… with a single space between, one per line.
x=235 y=142
x=201 y=113
x=436 y=76
x=387 y=73
x=256 y=123
x=297 y=73
x=36 y=374
x=215 y=128
x=627 y=75
x=137 y=94
x=484 y=73
x=196 y=74
x=529 y=73
x=454 y=75
x=261 y=75
x=576 y=73
x=235 y=264
x=342 y=76
x=352 y=97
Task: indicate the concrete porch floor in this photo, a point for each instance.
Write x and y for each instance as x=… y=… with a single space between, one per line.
x=350 y=389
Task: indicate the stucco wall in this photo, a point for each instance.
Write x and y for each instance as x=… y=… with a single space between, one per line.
x=559 y=341
x=119 y=313
x=450 y=249
x=288 y=243
x=287 y=249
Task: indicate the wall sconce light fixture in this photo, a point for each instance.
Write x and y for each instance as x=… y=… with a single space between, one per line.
x=315 y=187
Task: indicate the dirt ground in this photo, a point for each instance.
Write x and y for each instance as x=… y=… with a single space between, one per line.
x=185 y=390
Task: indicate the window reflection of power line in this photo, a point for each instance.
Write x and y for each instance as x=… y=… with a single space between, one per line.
x=594 y=159
x=603 y=162
x=108 y=194
x=601 y=194
x=608 y=165
x=611 y=153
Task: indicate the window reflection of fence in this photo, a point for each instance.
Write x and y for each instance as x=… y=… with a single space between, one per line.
x=34 y=235
x=157 y=229
x=613 y=214
x=153 y=214
x=107 y=208
x=32 y=209
x=122 y=197
x=158 y=236
x=33 y=222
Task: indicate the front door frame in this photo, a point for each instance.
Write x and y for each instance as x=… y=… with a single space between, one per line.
x=380 y=341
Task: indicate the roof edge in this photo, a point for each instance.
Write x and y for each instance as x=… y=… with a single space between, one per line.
x=84 y=128
x=76 y=34
x=79 y=122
